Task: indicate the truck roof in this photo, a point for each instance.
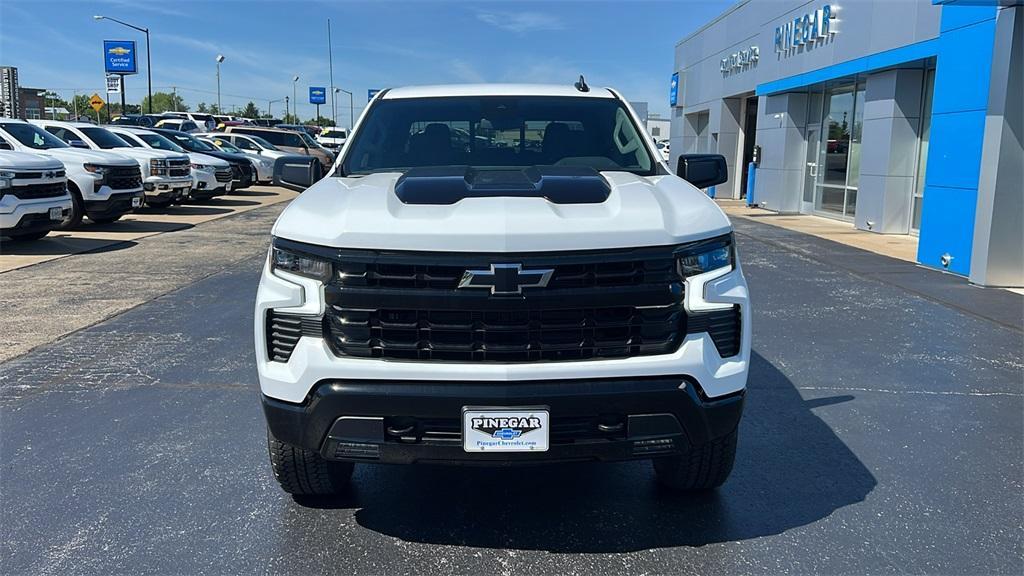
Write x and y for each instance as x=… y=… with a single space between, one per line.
x=494 y=90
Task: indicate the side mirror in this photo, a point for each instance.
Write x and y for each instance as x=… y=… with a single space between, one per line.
x=78 y=144
x=296 y=172
x=702 y=170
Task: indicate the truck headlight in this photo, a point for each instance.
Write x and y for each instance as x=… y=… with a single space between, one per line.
x=156 y=166
x=201 y=167
x=706 y=257
x=704 y=262
x=5 y=179
x=300 y=263
x=96 y=169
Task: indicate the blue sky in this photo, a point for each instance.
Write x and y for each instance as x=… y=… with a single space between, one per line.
x=627 y=45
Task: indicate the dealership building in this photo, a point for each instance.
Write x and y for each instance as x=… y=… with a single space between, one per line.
x=898 y=117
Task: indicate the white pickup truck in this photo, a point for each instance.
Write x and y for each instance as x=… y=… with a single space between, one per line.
x=166 y=175
x=500 y=275
x=103 y=185
x=33 y=195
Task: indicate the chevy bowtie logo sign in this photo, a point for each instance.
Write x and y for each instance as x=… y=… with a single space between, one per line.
x=506 y=278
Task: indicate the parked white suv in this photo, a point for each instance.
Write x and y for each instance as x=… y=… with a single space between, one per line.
x=502 y=274
x=166 y=175
x=33 y=195
x=262 y=168
x=332 y=138
x=103 y=185
x=210 y=176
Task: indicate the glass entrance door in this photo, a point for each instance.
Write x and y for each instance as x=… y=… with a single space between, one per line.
x=838 y=151
x=811 y=168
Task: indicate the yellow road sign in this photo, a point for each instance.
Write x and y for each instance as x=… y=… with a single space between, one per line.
x=96 y=102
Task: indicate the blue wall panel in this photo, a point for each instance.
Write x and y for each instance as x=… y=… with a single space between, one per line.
x=949 y=213
x=963 y=67
x=954 y=155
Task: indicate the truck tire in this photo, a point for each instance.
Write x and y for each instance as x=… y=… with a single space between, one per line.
x=703 y=468
x=302 y=472
x=77 y=209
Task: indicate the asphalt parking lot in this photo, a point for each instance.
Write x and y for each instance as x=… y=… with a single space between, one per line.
x=883 y=434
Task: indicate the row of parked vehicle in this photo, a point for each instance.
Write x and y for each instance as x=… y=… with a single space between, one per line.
x=53 y=174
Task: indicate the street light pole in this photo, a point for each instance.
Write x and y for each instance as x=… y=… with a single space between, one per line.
x=295 y=100
x=330 y=63
x=220 y=58
x=149 y=64
x=351 y=115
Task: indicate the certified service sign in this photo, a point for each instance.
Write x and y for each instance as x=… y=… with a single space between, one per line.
x=501 y=430
x=119 y=57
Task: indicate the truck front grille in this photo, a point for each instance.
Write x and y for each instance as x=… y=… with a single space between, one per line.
x=607 y=304
x=124 y=178
x=35 y=191
x=505 y=336
x=223 y=174
x=179 y=167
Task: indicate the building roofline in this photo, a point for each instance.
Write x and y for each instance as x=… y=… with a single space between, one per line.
x=728 y=11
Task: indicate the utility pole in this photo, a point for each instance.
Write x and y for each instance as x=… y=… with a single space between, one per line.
x=330 y=64
x=295 y=100
x=174 y=92
x=286 y=107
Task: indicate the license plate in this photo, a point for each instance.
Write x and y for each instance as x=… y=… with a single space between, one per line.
x=56 y=213
x=136 y=202
x=504 y=429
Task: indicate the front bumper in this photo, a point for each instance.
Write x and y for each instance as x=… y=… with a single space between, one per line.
x=27 y=216
x=169 y=188
x=115 y=205
x=404 y=422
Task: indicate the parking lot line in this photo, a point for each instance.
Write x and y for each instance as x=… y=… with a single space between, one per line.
x=144 y=223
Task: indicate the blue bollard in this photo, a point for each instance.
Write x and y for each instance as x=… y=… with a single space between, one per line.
x=711 y=192
x=751 y=178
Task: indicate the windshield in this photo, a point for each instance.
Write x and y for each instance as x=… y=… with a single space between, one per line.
x=189 y=143
x=132 y=141
x=160 y=143
x=32 y=136
x=282 y=138
x=498 y=132
x=225 y=145
x=263 y=143
x=104 y=138
x=333 y=134
x=309 y=140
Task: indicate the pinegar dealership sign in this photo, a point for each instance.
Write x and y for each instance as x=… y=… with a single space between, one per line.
x=803 y=30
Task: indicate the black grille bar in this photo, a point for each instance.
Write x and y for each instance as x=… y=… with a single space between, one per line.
x=722 y=325
x=34 y=191
x=285 y=330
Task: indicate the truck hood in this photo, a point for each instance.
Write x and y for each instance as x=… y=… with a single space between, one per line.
x=149 y=153
x=200 y=158
x=365 y=212
x=82 y=156
x=27 y=161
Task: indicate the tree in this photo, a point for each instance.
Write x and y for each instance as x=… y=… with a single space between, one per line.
x=291 y=119
x=323 y=122
x=163 y=102
x=250 y=111
x=203 y=108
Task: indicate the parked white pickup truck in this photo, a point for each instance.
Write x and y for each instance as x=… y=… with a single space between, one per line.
x=33 y=195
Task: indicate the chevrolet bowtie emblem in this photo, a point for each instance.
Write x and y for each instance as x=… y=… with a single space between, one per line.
x=506 y=278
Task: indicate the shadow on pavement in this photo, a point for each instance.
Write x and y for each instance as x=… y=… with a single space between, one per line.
x=60 y=246
x=791 y=470
x=252 y=193
x=221 y=201
x=134 y=226
x=196 y=210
